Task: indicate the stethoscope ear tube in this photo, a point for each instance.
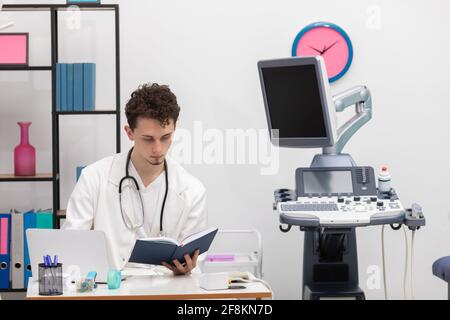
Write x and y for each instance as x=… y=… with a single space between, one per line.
x=166 y=173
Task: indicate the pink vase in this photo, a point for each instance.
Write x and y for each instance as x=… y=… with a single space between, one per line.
x=24 y=153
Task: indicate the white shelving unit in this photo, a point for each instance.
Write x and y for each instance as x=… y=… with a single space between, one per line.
x=241 y=261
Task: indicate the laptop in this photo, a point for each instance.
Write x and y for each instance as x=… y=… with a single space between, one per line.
x=78 y=250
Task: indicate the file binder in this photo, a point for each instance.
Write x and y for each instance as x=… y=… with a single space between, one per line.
x=89 y=86
x=44 y=219
x=29 y=222
x=63 y=87
x=5 y=256
x=58 y=87
x=17 y=246
x=78 y=87
x=79 y=169
x=70 y=85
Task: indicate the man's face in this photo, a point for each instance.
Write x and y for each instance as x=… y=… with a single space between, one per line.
x=151 y=139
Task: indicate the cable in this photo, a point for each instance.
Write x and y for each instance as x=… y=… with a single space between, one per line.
x=384 y=263
x=406 y=263
x=7 y=25
x=412 y=264
x=261 y=281
x=267 y=286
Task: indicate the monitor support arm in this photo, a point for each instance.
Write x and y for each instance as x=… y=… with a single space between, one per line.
x=361 y=98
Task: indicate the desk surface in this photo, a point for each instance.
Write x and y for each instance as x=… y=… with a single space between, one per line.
x=156 y=287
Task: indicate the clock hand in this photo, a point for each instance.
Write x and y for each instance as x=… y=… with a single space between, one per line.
x=316 y=50
x=330 y=46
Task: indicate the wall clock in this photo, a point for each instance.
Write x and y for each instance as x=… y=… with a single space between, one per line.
x=329 y=41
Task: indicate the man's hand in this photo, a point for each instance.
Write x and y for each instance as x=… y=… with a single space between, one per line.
x=185 y=268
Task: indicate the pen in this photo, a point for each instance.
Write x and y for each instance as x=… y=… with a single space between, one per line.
x=55 y=261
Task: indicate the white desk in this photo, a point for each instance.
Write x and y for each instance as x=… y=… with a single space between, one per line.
x=156 y=287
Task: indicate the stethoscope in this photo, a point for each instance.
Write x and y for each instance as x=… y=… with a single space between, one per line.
x=127 y=176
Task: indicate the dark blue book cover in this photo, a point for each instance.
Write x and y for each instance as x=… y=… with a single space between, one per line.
x=157 y=250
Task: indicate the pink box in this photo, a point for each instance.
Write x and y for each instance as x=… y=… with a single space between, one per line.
x=220 y=257
x=14 y=49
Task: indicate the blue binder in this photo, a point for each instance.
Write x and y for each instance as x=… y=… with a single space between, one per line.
x=63 y=87
x=70 y=87
x=78 y=87
x=58 y=87
x=5 y=250
x=29 y=222
x=44 y=219
x=79 y=169
x=89 y=78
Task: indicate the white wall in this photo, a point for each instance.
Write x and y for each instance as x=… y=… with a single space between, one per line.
x=207 y=51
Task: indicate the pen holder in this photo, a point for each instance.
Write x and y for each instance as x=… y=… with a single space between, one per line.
x=50 y=280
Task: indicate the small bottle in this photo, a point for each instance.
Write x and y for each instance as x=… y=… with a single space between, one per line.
x=384 y=180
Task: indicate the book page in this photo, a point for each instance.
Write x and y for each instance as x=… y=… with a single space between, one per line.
x=161 y=240
x=196 y=236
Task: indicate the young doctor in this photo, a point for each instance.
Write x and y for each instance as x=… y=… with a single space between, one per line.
x=141 y=193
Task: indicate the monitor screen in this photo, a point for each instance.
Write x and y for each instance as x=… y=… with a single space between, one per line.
x=294 y=101
x=324 y=182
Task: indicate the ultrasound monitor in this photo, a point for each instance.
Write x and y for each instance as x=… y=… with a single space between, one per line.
x=299 y=108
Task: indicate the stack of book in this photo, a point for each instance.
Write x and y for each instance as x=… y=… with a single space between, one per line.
x=75 y=86
x=15 y=267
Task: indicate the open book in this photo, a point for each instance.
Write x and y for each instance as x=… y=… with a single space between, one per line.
x=157 y=250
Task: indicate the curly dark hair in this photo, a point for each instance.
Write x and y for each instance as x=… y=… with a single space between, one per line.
x=154 y=101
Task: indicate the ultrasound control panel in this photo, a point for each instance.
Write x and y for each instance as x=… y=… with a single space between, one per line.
x=339 y=181
x=338 y=196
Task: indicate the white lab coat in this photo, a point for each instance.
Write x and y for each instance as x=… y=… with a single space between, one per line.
x=94 y=204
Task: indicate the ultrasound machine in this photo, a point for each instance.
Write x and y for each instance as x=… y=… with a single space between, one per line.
x=333 y=196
